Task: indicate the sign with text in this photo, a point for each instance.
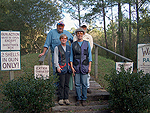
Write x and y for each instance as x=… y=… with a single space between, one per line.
x=126 y=65
x=10 y=60
x=143 y=58
x=41 y=71
x=10 y=40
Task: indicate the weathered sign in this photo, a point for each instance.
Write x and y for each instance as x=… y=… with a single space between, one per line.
x=41 y=71
x=126 y=66
x=143 y=62
x=10 y=40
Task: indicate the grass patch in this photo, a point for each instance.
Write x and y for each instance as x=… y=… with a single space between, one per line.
x=104 y=67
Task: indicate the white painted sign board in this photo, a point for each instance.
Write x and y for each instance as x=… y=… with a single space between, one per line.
x=10 y=40
x=126 y=65
x=10 y=60
x=41 y=71
x=143 y=60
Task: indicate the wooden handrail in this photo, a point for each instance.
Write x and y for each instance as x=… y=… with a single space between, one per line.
x=96 y=57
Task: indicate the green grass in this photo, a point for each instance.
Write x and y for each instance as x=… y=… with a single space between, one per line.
x=104 y=67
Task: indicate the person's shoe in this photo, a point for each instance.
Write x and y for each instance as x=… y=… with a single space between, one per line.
x=67 y=102
x=89 y=91
x=83 y=102
x=61 y=102
x=77 y=103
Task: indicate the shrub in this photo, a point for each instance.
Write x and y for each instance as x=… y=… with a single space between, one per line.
x=27 y=94
x=129 y=92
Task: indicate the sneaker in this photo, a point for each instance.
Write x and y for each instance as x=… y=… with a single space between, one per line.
x=77 y=103
x=83 y=102
x=67 y=102
x=89 y=91
x=61 y=102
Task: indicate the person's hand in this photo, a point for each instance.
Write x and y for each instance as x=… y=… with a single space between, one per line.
x=59 y=70
x=41 y=54
x=73 y=71
x=89 y=70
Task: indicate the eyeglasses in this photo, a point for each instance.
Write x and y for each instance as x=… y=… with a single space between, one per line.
x=64 y=38
x=79 y=33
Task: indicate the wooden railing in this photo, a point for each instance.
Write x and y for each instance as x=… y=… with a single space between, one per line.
x=41 y=60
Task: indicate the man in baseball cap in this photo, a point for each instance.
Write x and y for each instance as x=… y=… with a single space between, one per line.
x=52 y=40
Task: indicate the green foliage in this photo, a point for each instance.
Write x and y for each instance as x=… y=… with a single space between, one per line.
x=129 y=92
x=28 y=94
x=32 y=18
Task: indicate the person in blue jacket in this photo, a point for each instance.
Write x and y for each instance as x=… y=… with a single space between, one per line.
x=80 y=60
x=52 y=40
x=62 y=65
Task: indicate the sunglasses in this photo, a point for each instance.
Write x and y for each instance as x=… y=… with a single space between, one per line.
x=60 y=25
x=79 y=33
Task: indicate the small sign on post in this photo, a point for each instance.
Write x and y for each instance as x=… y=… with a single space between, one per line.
x=126 y=65
x=41 y=71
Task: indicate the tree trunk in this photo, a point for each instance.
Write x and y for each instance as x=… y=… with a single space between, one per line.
x=79 y=13
x=104 y=25
x=119 y=29
x=129 y=29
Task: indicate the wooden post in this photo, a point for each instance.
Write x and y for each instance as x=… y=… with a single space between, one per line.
x=11 y=75
x=96 y=61
x=49 y=61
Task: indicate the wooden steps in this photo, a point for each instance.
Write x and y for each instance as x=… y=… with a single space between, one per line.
x=97 y=101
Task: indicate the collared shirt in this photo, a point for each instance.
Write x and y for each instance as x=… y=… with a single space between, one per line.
x=53 y=40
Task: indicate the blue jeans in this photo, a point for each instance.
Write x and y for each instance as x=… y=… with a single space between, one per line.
x=81 y=82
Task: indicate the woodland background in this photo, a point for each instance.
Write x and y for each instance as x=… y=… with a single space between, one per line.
x=33 y=18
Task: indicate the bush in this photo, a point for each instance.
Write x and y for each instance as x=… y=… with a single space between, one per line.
x=129 y=92
x=27 y=94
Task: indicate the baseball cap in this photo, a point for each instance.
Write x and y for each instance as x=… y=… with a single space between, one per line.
x=79 y=30
x=60 y=23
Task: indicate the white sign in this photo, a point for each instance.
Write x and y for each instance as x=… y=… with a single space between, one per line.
x=143 y=58
x=126 y=65
x=41 y=71
x=10 y=60
x=10 y=40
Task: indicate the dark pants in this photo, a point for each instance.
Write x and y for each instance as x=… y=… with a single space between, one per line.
x=63 y=86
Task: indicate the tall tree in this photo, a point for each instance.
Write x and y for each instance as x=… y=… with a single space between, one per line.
x=31 y=17
x=76 y=9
